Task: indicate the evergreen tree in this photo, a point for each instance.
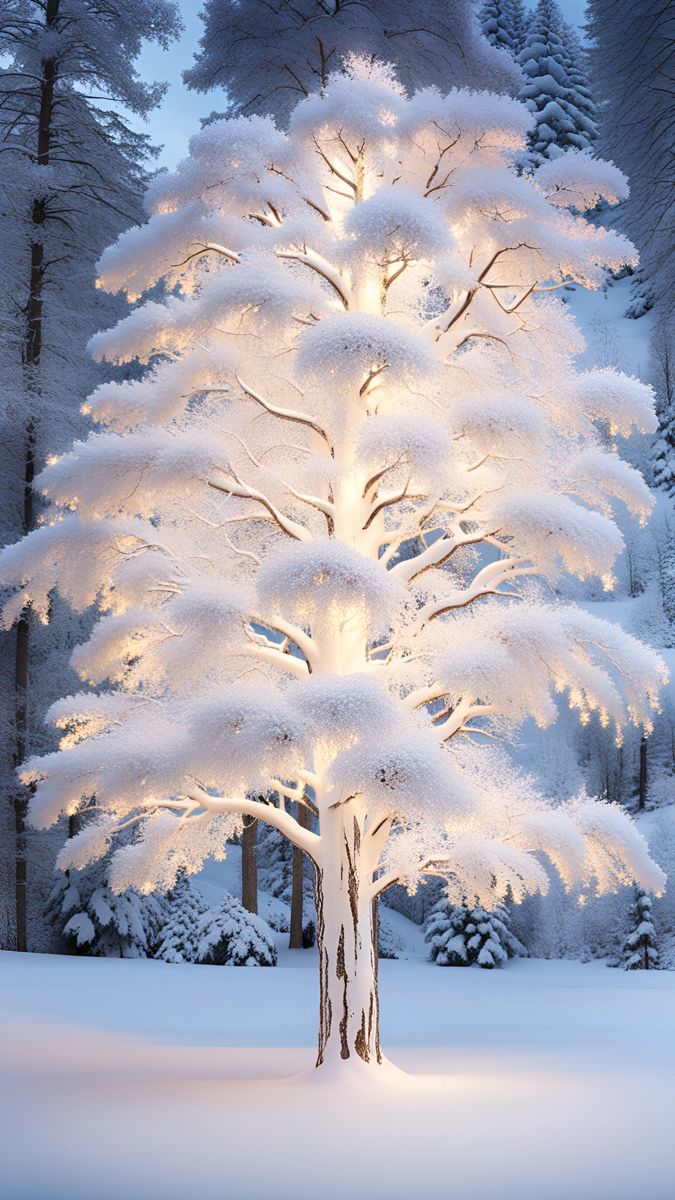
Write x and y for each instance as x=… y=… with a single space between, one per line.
x=555 y=87
x=460 y=936
x=520 y=23
x=231 y=936
x=641 y=951
x=663 y=374
x=180 y=934
x=72 y=172
x=584 y=110
x=96 y=921
x=504 y=24
x=631 y=55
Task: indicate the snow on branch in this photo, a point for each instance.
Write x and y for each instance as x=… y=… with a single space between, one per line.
x=312 y=527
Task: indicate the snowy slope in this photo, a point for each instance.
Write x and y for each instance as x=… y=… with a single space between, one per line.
x=144 y=1081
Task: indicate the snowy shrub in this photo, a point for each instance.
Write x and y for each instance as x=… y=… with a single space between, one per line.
x=231 y=936
x=389 y=944
x=463 y=937
x=94 y=920
x=185 y=906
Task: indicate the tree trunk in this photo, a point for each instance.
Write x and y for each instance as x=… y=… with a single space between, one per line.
x=31 y=355
x=642 y=781
x=297 y=885
x=349 y=1006
x=249 y=865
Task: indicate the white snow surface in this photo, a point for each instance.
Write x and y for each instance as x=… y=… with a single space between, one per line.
x=147 y=1081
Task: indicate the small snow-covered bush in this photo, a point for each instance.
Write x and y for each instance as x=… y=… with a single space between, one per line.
x=459 y=936
x=180 y=935
x=231 y=936
x=96 y=921
x=389 y=944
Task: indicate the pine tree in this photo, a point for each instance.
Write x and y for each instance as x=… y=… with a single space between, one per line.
x=631 y=54
x=96 y=921
x=496 y=22
x=180 y=933
x=460 y=936
x=663 y=374
x=357 y=349
x=555 y=88
x=72 y=172
x=641 y=952
x=584 y=110
x=504 y=23
x=520 y=23
x=229 y=935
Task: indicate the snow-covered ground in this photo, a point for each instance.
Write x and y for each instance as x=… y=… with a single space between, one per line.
x=136 y=1080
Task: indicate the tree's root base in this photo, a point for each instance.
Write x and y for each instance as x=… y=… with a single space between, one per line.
x=353 y=1072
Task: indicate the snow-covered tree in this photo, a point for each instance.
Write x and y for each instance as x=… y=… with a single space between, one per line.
x=555 y=88
x=179 y=937
x=97 y=921
x=641 y=948
x=71 y=178
x=460 y=936
x=315 y=527
x=584 y=112
x=632 y=66
x=269 y=54
x=663 y=359
x=229 y=935
x=504 y=24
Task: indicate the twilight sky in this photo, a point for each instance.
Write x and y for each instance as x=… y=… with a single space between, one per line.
x=178 y=116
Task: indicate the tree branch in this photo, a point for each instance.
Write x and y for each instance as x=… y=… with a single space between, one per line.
x=304 y=838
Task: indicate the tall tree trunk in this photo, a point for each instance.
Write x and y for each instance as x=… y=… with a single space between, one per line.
x=642 y=780
x=349 y=1005
x=297 y=885
x=31 y=355
x=249 y=865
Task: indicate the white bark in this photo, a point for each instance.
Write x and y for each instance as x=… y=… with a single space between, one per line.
x=349 y=1006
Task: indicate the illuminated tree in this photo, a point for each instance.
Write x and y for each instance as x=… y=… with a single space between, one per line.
x=315 y=528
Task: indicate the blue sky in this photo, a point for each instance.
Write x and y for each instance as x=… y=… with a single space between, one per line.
x=178 y=116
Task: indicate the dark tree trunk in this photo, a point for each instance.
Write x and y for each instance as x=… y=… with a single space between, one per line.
x=249 y=865
x=31 y=356
x=642 y=780
x=297 y=885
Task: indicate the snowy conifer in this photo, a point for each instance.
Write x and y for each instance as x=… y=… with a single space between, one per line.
x=230 y=935
x=95 y=920
x=641 y=952
x=663 y=359
x=584 y=110
x=358 y=350
x=459 y=936
x=631 y=52
x=504 y=24
x=555 y=88
x=269 y=54
x=72 y=173
x=185 y=906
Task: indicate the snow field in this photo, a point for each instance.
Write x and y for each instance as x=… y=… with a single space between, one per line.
x=140 y=1080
